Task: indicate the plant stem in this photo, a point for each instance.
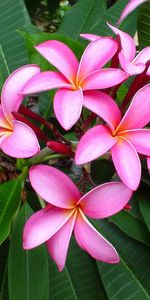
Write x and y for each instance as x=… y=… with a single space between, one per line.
x=40 y=157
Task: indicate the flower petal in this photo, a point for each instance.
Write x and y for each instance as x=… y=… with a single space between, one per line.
x=132 y=5
x=105 y=200
x=96 y=55
x=130 y=68
x=42 y=225
x=94 y=143
x=143 y=56
x=11 y=98
x=90 y=240
x=68 y=106
x=103 y=79
x=90 y=37
x=148 y=163
x=138 y=113
x=127 y=43
x=58 y=244
x=54 y=186
x=127 y=163
x=140 y=139
x=2 y=138
x=22 y=142
x=103 y=106
x=3 y=121
x=60 y=56
x=45 y=81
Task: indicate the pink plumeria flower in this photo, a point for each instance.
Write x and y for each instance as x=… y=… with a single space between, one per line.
x=132 y=5
x=16 y=138
x=123 y=137
x=130 y=63
x=66 y=213
x=75 y=79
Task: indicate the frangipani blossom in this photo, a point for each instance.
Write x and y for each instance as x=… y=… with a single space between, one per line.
x=130 y=63
x=16 y=138
x=123 y=137
x=66 y=213
x=75 y=79
x=132 y=5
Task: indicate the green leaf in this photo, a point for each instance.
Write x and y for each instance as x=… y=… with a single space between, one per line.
x=144 y=204
x=100 y=176
x=82 y=17
x=132 y=226
x=112 y=15
x=130 y=278
x=27 y=270
x=144 y=25
x=79 y=280
x=10 y=194
x=3 y=270
x=13 y=15
x=4 y=70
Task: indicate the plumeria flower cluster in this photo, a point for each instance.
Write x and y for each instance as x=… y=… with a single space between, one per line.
x=86 y=84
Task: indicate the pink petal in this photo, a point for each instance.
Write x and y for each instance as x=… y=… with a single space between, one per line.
x=127 y=43
x=140 y=139
x=68 y=106
x=143 y=56
x=61 y=56
x=58 y=244
x=11 y=98
x=138 y=113
x=90 y=37
x=45 y=81
x=127 y=163
x=3 y=137
x=103 y=79
x=94 y=143
x=96 y=55
x=105 y=200
x=22 y=142
x=3 y=121
x=90 y=240
x=148 y=163
x=132 y=5
x=42 y=225
x=103 y=106
x=54 y=186
x=130 y=67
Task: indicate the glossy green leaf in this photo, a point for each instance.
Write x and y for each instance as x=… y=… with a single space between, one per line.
x=13 y=15
x=144 y=203
x=82 y=17
x=130 y=278
x=3 y=270
x=79 y=280
x=4 y=70
x=144 y=25
x=10 y=195
x=112 y=15
x=27 y=270
x=102 y=171
x=132 y=226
